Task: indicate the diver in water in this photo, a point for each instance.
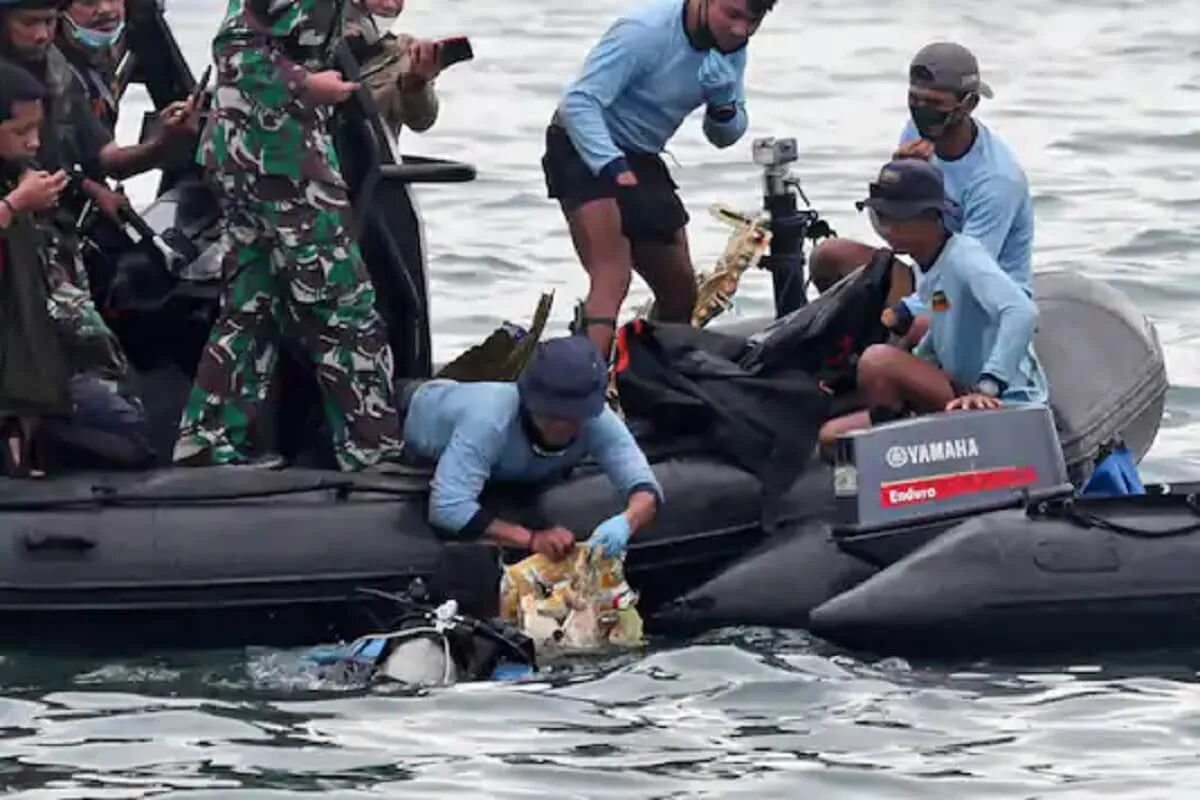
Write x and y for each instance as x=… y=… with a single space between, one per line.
x=534 y=430
x=982 y=177
x=652 y=68
x=978 y=350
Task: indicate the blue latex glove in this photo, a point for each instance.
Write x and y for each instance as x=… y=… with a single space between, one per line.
x=611 y=536
x=718 y=79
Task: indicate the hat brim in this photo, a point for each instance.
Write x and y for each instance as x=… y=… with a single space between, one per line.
x=901 y=209
x=985 y=90
x=579 y=409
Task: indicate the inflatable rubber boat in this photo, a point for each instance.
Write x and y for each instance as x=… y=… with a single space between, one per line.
x=917 y=532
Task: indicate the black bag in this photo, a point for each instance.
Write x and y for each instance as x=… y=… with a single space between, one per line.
x=759 y=401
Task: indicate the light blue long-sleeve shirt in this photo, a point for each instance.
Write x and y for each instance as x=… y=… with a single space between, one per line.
x=980 y=321
x=637 y=86
x=996 y=207
x=474 y=432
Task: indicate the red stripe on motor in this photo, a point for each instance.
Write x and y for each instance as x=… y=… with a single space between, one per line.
x=945 y=487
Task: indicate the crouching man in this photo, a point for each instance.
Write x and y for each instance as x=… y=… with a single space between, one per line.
x=533 y=431
x=978 y=352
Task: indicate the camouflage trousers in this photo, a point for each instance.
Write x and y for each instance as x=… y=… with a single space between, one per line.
x=292 y=270
x=91 y=345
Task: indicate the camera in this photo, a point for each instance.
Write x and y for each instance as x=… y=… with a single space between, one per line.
x=772 y=152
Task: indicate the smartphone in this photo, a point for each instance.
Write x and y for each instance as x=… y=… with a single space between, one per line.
x=201 y=85
x=453 y=50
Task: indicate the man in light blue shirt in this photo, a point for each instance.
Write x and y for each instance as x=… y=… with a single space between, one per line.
x=652 y=68
x=982 y=176
x=978 y=351
x=534 y=430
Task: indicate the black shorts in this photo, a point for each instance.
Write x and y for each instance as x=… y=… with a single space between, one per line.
x=650 y=211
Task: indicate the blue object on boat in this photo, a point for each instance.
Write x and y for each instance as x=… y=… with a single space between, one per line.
x=1115 y=476
x=511 y=672
x=367 y=651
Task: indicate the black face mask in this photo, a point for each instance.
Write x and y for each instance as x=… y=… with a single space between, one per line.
x=539 y=445
x=933 y=123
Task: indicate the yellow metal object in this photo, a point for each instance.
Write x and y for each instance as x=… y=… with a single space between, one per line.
x=745 y=248
x=578 y=604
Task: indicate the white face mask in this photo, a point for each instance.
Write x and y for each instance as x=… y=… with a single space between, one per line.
x=380 y=15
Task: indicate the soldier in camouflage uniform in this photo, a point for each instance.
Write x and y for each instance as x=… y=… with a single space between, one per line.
x=294 y=269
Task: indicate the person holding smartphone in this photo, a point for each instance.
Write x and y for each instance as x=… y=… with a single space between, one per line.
x=294 y=267
x=652 y=68
x=398 y=69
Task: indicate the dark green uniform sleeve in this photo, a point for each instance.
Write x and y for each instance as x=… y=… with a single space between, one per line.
x=255 y=57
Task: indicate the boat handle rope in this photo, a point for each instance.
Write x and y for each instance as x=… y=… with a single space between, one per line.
x=107 y=496
x=1069 y=510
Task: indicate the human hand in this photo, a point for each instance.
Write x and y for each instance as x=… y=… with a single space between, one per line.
x=37 y=191
x=553 y=543
x=718 y=79
x=975 y=401
x=612 y=536
x=917 y=148
x=328 y=88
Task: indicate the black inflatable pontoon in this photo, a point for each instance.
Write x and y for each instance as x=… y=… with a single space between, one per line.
x=922 y=532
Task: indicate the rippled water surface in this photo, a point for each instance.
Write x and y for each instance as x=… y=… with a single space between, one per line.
x=1101 y=100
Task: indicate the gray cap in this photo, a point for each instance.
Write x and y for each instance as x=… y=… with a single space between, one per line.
x=949 y=67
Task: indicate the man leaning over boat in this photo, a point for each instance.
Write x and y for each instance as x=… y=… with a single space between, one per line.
x=982 y=176
x=534 y=430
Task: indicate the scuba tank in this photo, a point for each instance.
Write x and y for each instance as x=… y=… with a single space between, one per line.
x=427 y=646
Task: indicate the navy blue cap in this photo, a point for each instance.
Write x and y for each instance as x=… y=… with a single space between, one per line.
x=565 y=379
x=906 y=188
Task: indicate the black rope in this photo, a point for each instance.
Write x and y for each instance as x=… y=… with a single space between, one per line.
x=104 y=496
x=1072 y=511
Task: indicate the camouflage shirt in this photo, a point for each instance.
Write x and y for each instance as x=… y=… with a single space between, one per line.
x=261 y=121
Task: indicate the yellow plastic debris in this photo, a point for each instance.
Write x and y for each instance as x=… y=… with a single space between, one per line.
x=579 y=604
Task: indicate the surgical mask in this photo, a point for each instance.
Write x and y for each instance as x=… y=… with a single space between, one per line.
x=377 y=15
x=98 y=40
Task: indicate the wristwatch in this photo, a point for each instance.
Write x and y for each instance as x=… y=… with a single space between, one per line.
x=989 y=386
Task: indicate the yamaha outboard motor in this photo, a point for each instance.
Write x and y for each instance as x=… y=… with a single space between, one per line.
x=900 y=484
